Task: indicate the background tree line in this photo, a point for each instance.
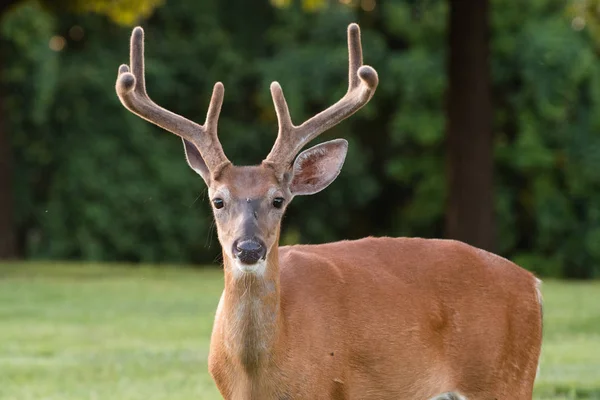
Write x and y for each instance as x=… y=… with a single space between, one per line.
x=91 y=181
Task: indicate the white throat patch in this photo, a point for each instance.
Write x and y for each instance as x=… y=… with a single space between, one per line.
x=240 y=270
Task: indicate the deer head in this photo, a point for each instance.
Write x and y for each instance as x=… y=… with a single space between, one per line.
x=249 y=201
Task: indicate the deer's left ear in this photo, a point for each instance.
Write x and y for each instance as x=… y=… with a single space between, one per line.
x=195 y=161
x=315 y=168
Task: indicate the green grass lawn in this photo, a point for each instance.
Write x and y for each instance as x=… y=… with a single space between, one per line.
x=77 y=332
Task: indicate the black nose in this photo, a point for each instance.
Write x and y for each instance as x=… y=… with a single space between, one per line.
x=249 y=251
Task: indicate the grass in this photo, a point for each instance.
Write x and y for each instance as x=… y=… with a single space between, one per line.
x=77 y=332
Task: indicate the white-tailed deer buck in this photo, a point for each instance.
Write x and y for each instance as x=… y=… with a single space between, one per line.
x=376 y=318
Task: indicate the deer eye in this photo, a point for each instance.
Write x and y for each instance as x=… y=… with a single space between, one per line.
x=278 y=202
x=218 y=203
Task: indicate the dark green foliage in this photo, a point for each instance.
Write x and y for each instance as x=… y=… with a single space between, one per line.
x=548 y=147
x=95 y=182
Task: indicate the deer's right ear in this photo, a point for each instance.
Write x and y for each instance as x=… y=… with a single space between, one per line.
x=195 y=161
x=315 y=168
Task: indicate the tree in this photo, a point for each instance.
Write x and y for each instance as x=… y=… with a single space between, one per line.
x=7 y=234
x=470 y=205
x=66 y=127
x=123 y=12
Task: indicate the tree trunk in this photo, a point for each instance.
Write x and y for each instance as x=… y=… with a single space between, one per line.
x=470 y=207
x=8 y=245
x=7 y=233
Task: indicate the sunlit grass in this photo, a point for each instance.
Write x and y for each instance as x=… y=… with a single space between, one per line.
x=77 y=332
x=570 y=366
x=92 y=332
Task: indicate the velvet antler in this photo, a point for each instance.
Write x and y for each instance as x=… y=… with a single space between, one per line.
x=362 y=82
x=131 y=89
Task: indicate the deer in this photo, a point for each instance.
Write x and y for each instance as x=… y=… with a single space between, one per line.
x=373 y=318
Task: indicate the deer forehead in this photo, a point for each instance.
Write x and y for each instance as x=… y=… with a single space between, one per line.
x=248 y=182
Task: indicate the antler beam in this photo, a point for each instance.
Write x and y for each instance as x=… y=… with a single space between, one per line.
x=362 y=82
x=131 y=89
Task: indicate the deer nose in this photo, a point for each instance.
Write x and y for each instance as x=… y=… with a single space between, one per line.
x=249 y=251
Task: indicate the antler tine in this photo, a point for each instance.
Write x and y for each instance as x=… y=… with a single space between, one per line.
x=362 y=82
x=281 y=108
x=131 y=89
x=355 y=58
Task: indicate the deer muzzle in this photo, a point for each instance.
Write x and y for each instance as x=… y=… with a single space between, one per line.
x=249 y=250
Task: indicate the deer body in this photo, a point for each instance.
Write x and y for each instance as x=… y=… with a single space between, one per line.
x=380 y=318
x=354 y=320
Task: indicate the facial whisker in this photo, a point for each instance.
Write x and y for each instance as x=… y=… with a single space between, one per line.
x=211 y=230
x=195 y=200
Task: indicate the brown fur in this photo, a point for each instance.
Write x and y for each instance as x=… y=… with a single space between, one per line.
x=382 y=318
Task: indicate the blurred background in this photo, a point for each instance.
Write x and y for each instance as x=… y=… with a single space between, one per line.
x=485 y=128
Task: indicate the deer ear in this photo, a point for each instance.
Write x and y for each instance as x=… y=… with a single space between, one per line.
x=315 y=168
x=195 y=160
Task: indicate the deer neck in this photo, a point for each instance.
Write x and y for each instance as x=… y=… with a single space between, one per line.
x=251 y=312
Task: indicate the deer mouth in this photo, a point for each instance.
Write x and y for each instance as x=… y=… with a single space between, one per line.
x=256 y=269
